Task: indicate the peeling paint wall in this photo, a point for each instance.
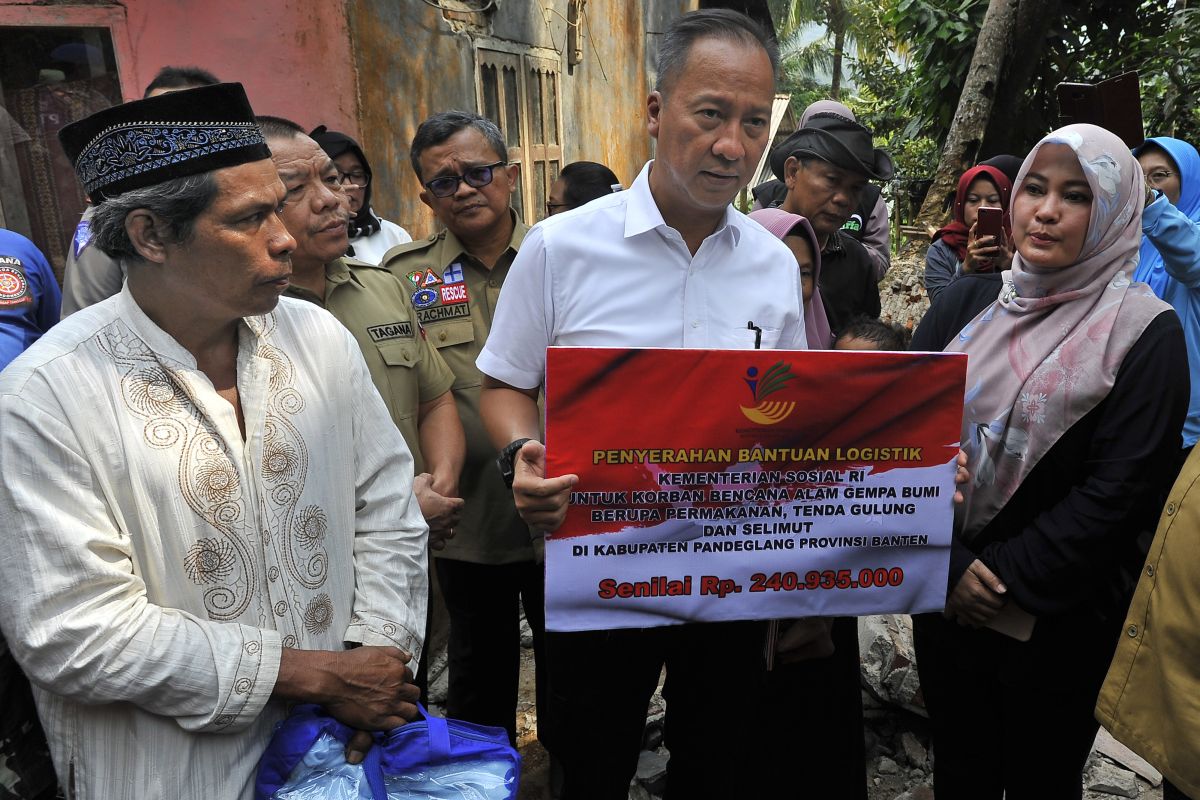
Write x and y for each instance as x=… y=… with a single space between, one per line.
x=293 y=56
x=377 y=68
x=414 y=60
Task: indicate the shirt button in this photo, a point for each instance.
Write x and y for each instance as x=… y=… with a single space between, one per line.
x=695 y=323
x=492 y=282
x=1150 y=570
x=405 y=354
x=442 y=336
x=1132 y=631
x=1170 y=509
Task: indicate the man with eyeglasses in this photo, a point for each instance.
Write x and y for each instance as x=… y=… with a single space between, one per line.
x=454 y=277
x=370 y=234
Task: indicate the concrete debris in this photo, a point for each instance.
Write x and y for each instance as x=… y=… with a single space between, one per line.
x=1107 y=778
x=526 y=632
x=902 y=296
x=914 y=751
x=1106 y=745
x=887 y=767
x=889 y=662
x=652 y=771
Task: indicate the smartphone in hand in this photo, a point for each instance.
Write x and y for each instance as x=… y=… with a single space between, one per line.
x=990 y=222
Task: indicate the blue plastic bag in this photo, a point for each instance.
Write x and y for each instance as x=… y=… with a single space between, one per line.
x=431 y=758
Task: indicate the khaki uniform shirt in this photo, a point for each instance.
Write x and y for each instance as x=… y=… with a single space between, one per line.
x=455 y=297
x=1148 y=701
x=404 y=367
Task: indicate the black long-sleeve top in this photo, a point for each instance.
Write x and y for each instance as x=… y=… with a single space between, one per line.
x=1073 y=536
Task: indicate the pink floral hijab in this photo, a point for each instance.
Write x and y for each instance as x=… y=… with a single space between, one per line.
x=1047 y=351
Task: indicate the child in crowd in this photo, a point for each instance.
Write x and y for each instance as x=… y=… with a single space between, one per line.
x=872 y=334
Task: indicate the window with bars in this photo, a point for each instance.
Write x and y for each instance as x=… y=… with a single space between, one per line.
x=520 y=93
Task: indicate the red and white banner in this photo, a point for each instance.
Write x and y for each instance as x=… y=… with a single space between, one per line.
x=749 y=484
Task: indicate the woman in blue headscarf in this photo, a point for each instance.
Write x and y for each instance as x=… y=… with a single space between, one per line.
x=1170 y=252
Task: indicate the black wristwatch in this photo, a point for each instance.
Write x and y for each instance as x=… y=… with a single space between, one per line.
x=505 y=460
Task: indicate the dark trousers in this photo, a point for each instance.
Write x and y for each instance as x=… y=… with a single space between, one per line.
x=814 y=724
x=485 y=638
x=1170 y=792
x=1012 y=719
x=600 y=686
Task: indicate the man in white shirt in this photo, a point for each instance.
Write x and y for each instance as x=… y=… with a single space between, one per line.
x=667 y=263
x=205 y=500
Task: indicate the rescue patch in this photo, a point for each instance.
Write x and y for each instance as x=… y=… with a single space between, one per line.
x=14 y=288
x=392 y=330
x=453 y=273
x=83 y=237
x=428 y=315
x=424 y=298
x=454 y=293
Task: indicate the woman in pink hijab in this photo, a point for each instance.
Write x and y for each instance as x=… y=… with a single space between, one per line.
x=1076 y=395
x=796 y=232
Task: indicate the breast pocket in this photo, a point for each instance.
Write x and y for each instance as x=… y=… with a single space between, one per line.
x=456 y=343
x=401 y=360
x=743 y=338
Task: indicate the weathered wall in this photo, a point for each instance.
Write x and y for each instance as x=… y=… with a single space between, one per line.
x=604 y=112
x=410 y=65
x=414 y=60
x=286 y=52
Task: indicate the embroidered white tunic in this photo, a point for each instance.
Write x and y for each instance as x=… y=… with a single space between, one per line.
x=156 y=564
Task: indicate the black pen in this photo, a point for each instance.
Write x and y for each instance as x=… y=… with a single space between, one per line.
x=750 y=326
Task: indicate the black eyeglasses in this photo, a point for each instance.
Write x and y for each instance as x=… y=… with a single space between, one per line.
x=475 y=177
x=357 y=178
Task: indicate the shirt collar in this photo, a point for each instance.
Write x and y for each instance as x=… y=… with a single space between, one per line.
x=454 y=248
x=163 y=344
x=337 y=272
x=833 y=245
x=642 y=213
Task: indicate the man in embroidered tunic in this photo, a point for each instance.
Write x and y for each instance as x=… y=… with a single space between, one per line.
x=205 y=501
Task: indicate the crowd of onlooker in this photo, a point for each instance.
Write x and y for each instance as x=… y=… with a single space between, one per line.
x=219 y=502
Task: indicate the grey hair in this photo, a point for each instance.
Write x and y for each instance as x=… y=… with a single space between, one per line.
x=443 y=125
x=710 y=23
x=178 y=202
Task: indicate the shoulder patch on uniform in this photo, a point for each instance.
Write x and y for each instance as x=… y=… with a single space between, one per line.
x=82 y=237
x=14 y=287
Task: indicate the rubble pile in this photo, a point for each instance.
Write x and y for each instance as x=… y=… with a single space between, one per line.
x=902 y=294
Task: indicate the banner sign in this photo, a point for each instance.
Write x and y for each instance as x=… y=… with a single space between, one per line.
x=749 y=484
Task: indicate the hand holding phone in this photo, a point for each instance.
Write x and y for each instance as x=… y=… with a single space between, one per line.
x=990 y=222
x=984 y=253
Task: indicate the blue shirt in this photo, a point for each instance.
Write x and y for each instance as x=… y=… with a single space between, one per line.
x=1177 y=281
x=29 y=295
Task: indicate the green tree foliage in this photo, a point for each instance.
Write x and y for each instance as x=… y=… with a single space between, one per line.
x=1080 y=40
x=939 y=37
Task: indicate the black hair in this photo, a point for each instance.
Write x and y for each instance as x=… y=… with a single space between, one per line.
x=710 y=23
x=887 y=335
x=443 y=125
x=278 y=127
x=586 y=180
x=180 y=78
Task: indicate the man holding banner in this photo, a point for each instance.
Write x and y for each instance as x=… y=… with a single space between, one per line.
x=668 y=263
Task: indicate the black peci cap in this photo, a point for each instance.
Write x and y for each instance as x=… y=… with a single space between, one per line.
x=157 y=139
